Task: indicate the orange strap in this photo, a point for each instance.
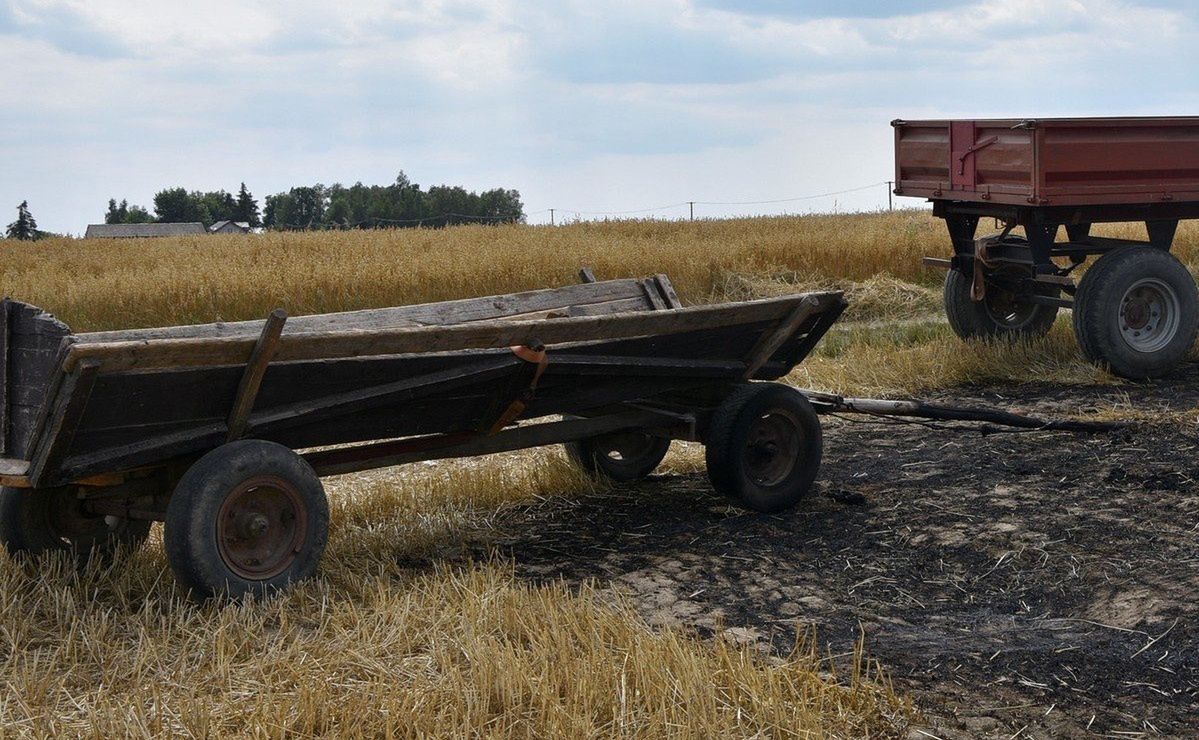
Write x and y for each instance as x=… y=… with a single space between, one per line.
x=518 y=406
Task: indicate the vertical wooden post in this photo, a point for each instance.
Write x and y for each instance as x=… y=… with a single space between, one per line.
x=251 y=379
x=889 y=184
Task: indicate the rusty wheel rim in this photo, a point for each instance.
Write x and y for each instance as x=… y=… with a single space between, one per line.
x=772 y=447
x=261 y=527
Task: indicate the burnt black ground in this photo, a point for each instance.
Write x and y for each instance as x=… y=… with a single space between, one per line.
x=1036 y=583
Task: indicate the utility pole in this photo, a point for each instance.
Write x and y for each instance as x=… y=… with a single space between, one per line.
x=691 y=207
x=889 y=206
x=551 y=217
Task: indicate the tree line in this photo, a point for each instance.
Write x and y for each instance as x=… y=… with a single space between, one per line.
x=400 y=204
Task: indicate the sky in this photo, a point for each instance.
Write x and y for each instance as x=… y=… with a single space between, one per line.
x=589 y=107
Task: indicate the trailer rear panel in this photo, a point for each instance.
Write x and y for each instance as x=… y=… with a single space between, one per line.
x=1049 y=161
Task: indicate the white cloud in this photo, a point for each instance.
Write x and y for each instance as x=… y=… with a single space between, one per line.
x=610 y=105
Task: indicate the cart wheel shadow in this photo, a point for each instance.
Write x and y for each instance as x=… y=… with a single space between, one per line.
x=608 y=534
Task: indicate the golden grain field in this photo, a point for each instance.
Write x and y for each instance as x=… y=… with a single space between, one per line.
x=377 y=646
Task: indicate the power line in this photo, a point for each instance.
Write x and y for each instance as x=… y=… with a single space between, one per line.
x=691 y=204
x=786 y=200
x=624 y=213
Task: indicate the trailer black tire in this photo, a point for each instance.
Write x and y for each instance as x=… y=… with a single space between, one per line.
x=763 y=447
x=991 y=318
x=619 y=456
x=1136 y=311
x=250 y=517
x=35 y=521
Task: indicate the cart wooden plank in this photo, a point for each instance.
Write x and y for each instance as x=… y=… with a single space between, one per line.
x=63 y=418
x=429 y=314
x=440 y=447
x=4 y=303
x=192 y=352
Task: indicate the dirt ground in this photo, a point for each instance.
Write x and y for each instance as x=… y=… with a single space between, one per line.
x=1016 y=584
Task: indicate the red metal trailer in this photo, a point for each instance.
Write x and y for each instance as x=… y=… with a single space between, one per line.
x=1136 y=309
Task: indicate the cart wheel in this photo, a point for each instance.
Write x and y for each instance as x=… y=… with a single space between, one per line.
x=620 y=456
x=1136 y=311
x=764 y=446
x=1001 y=313
x=35 y=521
x=249 y=517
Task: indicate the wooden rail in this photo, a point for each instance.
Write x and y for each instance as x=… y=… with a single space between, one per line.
x=195 y=352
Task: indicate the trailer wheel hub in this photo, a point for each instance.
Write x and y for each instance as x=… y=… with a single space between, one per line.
x=1149 y=314
x=772 y=448
x=1003 y=303
x=261 y=527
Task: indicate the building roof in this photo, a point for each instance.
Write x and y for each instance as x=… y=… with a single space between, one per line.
x=222 y=224
x=125 y=231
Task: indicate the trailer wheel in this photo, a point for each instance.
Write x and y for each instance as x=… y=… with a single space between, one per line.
x=1136 y=310
x=249 y=517
x=1001 y=313
x=34 y=521
x=763 y=447
x=620 y=456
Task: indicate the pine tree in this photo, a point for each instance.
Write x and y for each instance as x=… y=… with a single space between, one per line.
x=24 y=228
x=247 y=207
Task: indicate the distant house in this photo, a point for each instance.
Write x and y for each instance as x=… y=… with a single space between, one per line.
x=229 y=227
x=136 y=231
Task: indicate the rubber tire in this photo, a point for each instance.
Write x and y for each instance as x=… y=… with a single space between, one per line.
x=190 y=532
x=727 y=435
x=25 y=529
x=1097 y=306
x=969 y=319
x=586 y=454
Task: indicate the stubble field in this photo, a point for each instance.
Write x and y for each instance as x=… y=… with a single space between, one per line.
x=445 y=606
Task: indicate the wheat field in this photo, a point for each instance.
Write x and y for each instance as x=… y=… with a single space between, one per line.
x=379 y=647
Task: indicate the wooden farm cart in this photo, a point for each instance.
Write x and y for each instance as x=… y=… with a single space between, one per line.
x=1136 y=310
x=222 y=430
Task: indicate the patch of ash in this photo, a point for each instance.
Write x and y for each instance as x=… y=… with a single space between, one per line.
x=1041 y=582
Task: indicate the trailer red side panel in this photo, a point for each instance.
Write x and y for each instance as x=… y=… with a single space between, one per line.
x=1050 y=161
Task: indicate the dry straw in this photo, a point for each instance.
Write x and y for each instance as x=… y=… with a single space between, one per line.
x=394 y=640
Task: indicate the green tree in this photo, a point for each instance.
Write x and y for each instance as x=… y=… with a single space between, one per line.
x=116 y=214
x=216 y=205
x=126 y=214
x=338 y=212
x=308 y=206
x=25 y=227
x=501 y=206
x=400 y=204
x=138 y=215
x=247 y=207
x=276 y=211
x=176 y=205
